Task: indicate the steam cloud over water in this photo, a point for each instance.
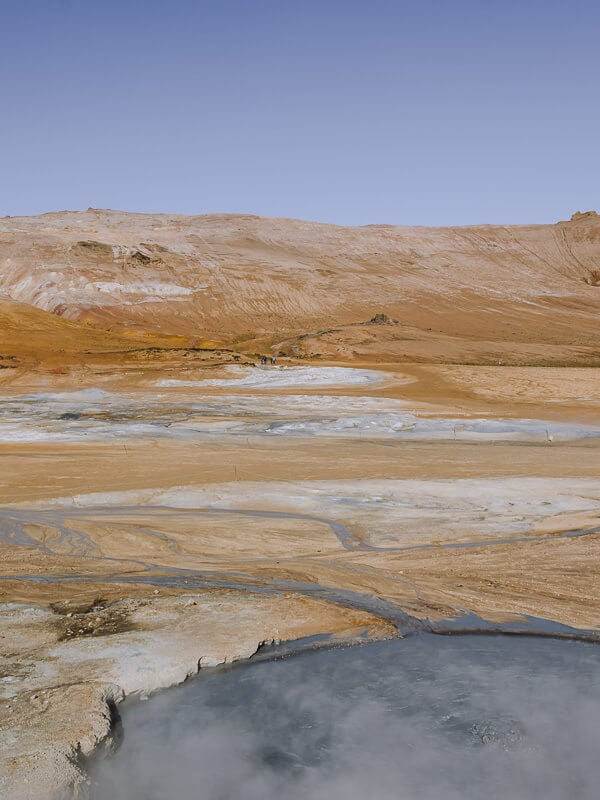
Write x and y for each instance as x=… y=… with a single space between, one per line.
x=426 y=718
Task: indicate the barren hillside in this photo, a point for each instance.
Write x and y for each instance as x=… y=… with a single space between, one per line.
x=485 y=293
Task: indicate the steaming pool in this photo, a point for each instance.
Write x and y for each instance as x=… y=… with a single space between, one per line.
x=423 y=718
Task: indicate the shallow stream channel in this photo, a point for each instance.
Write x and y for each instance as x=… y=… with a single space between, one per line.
x=427 y=717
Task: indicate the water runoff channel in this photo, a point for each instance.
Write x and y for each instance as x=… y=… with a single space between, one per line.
x=73 y=543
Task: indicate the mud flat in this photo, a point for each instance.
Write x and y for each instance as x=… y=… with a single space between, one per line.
x=156 y=521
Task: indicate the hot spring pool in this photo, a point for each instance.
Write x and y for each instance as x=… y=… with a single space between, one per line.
x=424 y=718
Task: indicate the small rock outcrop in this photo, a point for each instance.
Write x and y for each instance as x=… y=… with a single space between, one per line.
x=583 y=215
x=593 y=278
x=382 y=319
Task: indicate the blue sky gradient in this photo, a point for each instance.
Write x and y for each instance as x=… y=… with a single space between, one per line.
x=408 y=112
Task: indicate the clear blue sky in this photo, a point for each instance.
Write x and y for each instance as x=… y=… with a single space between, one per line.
x=433 y=112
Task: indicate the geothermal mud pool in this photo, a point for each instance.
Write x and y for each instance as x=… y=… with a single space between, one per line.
x=423 y=718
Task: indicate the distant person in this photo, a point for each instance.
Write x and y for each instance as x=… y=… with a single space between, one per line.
x=273 y=360
x=263 y=360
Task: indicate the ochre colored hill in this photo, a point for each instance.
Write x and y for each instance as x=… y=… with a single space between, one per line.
x=523 y=294
x=29 y=335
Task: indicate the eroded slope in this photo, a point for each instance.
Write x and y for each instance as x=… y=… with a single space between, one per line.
x=472 y=293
